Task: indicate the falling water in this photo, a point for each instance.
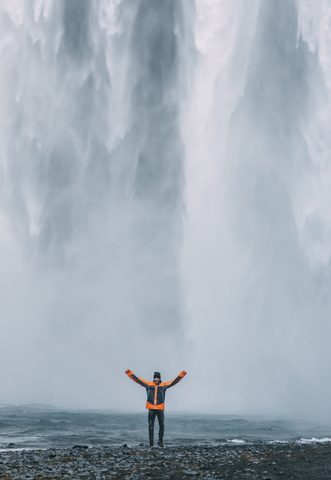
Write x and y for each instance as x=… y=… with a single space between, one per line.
x=257 y=260
x=165 y=201
x=92 y=194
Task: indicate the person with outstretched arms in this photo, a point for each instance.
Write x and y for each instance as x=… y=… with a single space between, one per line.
x=155 y=404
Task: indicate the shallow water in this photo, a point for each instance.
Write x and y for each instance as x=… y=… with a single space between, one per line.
x=44 y=427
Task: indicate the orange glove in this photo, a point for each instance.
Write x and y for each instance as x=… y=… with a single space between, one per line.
x=127 y=371
x=185 y=373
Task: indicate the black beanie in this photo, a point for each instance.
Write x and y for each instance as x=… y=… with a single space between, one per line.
x=157 y=375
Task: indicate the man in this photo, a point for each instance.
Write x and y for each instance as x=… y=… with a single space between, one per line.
x=156 y=391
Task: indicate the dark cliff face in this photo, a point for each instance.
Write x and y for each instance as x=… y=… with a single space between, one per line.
x=158 y=153
x=76 y=28
x=265 y=142
x=154 y=50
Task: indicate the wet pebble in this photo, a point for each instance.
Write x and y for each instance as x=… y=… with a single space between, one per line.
x=261 y=461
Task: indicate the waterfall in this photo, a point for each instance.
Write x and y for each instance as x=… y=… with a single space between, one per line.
x=165 y=200
x=92 y=188
x=257 y=246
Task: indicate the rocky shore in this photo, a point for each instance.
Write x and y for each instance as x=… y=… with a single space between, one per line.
x=254 y=461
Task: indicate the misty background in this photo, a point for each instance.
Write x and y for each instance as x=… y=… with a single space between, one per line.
x=165 y=203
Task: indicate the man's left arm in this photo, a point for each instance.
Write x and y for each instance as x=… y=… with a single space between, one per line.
x=176 y=380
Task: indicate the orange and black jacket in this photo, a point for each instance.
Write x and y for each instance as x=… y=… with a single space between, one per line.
x=155 y=393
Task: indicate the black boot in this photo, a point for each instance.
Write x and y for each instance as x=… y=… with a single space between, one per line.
x=151 y=443
x=160 y=442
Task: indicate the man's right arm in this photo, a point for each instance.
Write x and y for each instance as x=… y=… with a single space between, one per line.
x=138 y=380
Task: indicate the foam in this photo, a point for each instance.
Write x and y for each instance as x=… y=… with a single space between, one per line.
x=314 y=440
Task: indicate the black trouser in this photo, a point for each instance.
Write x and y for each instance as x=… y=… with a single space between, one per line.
x=151 y=419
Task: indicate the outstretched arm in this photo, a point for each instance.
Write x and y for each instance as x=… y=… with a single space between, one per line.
x=176 y=380
x=138 y=380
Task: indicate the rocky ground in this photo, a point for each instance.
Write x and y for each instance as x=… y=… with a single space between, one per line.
x=258 y=461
